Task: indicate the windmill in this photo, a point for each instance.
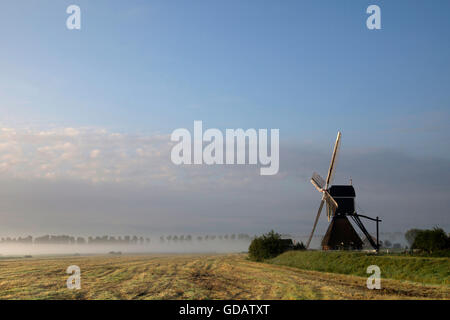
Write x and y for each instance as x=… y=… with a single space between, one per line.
x=340 y=204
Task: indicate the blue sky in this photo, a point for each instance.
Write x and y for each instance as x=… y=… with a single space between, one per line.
x=306 y=67
x=309 y=68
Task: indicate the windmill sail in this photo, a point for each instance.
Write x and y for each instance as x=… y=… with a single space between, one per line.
x=332 y=168
x=315 y=223
x=317 y=181
x=331 y=204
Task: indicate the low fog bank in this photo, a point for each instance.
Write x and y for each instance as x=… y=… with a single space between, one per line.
x=211 y=244
x=387 y=239
x=13 y=249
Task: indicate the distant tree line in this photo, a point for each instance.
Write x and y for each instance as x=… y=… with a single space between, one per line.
x=175 y=238
x=126 y=240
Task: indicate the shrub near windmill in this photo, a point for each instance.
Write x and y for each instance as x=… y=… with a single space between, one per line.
x=340 y=204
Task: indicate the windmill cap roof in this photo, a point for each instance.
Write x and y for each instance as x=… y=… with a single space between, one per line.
x=342 y=191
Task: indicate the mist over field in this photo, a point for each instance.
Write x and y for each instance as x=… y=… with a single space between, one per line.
x=194 y=247
x=155 y=245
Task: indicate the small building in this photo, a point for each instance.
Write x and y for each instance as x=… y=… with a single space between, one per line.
x=288 y=244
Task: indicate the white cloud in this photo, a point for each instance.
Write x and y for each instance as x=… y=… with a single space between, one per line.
x=71 y=132
x=81 y=153
x=95 y=153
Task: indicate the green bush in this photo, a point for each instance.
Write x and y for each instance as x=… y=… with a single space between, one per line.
x=431 y=240
x=266 y=246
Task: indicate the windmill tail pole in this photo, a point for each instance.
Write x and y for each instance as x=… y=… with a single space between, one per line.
x=359 y=223
x=378 y=236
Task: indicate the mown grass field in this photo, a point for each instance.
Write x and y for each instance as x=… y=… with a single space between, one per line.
x=409 y=268
x=230 y=276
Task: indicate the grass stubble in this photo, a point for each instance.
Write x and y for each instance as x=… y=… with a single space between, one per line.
x=199 y=276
